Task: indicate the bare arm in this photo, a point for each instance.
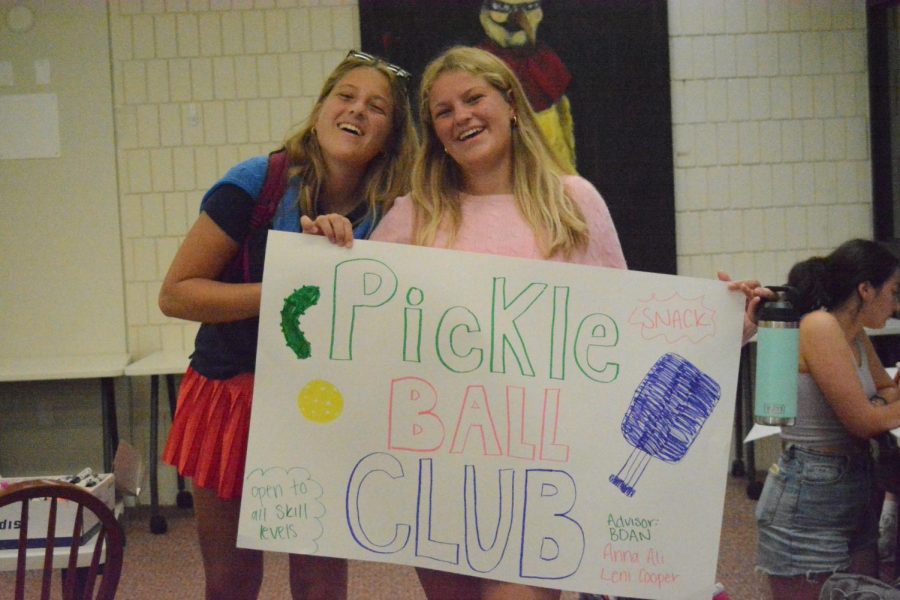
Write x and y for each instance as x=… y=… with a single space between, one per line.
x=754 y=292
x=826 y=355
x=190 y=290
x=887 y=387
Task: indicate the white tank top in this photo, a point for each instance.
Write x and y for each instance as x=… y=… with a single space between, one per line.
x=816 y=425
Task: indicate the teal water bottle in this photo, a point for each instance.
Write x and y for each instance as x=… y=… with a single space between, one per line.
x=777 y=358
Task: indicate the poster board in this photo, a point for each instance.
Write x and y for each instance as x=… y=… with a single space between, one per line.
x=553 y=424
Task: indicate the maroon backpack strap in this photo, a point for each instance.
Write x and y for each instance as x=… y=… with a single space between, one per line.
x=272 y=190
x=267 y=204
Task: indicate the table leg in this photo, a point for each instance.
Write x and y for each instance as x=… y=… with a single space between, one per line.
x=110 y=422
x=157 y=521
x=184 y=498
x=81 y=579
x=737 y=467
x=754 y=487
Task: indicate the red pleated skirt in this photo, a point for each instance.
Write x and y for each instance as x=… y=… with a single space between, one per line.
x=208 y=440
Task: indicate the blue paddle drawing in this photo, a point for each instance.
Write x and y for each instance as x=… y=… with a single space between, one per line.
x=668 y=409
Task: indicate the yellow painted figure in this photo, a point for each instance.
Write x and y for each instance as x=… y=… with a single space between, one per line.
x=511 y=27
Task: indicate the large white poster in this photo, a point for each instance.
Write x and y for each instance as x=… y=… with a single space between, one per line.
x=553 y=424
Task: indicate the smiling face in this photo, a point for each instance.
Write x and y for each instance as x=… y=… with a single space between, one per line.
x=355 y=119
x=472 y=120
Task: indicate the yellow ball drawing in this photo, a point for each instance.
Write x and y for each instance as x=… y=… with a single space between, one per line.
x=320 y=402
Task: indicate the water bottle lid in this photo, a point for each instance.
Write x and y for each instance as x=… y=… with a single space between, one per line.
x=781 y=307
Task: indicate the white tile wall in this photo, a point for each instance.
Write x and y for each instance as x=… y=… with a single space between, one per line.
x=199 y=85
x=770 y=126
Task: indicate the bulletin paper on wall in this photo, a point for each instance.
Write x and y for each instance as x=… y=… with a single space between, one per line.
x=29 y=126
x=552 y=424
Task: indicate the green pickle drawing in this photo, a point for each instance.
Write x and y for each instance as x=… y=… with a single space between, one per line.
x=295 y=307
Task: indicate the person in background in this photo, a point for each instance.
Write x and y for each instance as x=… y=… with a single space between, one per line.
x=352 y=156
x=818 y=510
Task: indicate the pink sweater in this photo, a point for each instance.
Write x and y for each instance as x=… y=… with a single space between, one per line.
x=494 y=225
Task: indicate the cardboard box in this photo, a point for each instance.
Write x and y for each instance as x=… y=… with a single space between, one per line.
x=39 y=511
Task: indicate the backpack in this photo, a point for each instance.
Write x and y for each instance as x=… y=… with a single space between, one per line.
x=846 y=586
x=264 y=211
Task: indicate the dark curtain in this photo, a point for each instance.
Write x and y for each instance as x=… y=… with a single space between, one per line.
x=617 y=52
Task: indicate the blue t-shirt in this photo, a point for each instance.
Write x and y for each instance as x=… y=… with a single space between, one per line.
x=223 y=350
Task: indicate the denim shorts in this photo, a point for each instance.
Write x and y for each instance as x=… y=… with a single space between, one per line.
x=816 y=510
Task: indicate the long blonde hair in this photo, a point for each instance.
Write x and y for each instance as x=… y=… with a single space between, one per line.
x=556 y=219
x=387 y=175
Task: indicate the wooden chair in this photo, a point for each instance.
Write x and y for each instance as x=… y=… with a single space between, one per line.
x=78 y=582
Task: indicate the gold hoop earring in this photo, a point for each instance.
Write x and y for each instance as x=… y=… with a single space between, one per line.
x=515 y=122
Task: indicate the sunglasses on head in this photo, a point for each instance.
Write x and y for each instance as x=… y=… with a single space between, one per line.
x=371 y=59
